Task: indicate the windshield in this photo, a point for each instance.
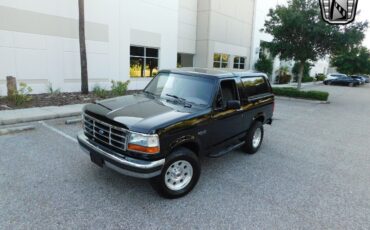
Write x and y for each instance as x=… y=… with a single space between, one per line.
x=193 y=90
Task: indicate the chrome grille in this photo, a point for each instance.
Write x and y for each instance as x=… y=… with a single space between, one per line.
x=104 y=133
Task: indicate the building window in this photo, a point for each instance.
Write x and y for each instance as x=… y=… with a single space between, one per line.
x=143 y=61
x=239 y=62
x=220 y=60
x=184 y=60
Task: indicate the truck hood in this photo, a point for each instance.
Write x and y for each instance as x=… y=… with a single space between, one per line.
x=141 y=113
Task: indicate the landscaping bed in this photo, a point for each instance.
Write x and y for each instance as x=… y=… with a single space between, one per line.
x=58 y=99
x=295 y=93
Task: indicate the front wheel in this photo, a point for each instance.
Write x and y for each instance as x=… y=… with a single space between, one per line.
x=254 y=138
x=179 y=174
x=351 y=84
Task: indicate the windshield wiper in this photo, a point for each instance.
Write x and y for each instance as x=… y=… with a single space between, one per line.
x=176 y=97
x=187 y=103
x=180 y=99
x=150 y=93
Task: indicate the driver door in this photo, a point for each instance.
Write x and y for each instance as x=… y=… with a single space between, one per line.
x=225 y=124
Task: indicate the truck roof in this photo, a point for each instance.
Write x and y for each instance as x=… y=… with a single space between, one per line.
x=215 y=73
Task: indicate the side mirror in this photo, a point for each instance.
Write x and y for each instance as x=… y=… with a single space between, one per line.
x=233 y=104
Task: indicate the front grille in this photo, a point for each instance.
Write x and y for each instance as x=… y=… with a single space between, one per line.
x=104 y=133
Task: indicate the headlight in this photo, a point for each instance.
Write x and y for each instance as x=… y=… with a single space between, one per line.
x=143 y=143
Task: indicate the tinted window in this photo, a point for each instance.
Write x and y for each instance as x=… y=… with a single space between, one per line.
x=239 y=62
x=195 y=90
x=136 y=51
x=143 y=61
x=226 y=93
x=255 y=85
x=220 y=60
x=152 y=52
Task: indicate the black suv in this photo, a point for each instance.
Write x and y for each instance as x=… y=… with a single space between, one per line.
x=181 y=115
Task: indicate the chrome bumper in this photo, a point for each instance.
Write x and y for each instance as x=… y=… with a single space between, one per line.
x=124 y=165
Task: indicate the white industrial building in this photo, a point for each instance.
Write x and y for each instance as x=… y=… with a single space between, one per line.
x=126 y=39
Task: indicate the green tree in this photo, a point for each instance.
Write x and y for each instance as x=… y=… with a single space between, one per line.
x=301 y=35
x=354 y=61
x=349 y=56
x=84 y=75
x=264 y=64
x=306 y=70
x=349 y=37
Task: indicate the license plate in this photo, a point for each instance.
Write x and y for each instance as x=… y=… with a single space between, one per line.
x=97 y=159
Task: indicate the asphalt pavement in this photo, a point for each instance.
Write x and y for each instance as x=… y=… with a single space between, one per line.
x=312 y=172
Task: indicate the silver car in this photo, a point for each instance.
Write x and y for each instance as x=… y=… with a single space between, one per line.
x=333 y=76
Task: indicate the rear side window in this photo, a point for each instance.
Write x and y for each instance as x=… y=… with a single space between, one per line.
x=255 y=85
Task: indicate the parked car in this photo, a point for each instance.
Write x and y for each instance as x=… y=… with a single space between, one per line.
x=181 y=115
x=345 y=81
x=367 y=80
x=335 y=76
x=361 y=79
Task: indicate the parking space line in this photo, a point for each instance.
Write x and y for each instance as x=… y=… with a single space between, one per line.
x=58 y=131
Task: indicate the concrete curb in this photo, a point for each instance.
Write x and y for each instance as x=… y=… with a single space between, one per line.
x=9 y=117
x=73 y=121
x=301 y=100
x=16 y=129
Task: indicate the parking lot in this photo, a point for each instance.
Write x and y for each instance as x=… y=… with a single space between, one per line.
x=312 y=172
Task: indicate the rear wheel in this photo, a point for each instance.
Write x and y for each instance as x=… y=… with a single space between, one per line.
x=351 y=84
x=254 y=138
x=179 y=174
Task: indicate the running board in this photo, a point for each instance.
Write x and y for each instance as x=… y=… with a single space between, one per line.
x=226 y=151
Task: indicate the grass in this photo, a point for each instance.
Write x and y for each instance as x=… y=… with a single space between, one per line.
x=295 y=93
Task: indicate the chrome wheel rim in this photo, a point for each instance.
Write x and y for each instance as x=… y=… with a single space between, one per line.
x=178 y=175
x=257 y=138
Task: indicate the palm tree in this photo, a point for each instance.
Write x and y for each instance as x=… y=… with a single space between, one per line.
x=84 y=75
x=283 y=75
x=283 y=71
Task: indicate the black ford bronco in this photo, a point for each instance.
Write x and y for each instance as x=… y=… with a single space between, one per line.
x=180 y=116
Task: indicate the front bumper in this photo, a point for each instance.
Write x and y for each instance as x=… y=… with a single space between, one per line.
x=122 y=164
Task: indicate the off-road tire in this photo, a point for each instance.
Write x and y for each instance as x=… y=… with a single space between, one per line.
x=248 y=147
x=178 y=155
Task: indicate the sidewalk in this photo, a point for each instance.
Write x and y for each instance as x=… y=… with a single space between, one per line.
x=9 y=117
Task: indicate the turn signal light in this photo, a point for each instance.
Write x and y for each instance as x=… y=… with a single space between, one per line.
x=143 y=149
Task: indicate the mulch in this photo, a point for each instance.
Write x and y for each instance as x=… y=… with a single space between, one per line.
x=60 y=99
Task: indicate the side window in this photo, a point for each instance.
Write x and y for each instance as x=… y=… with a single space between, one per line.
x=226 y=93
x=255 y=85
x=219 y=102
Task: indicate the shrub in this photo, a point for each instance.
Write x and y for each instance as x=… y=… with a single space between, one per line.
x=100 y=92
x=283 y=79
x=307 y=79
x=293 y=92
x=119 y=88
x=51 y=90
x=320 y=77
x=21 y=96
x=264 y=65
